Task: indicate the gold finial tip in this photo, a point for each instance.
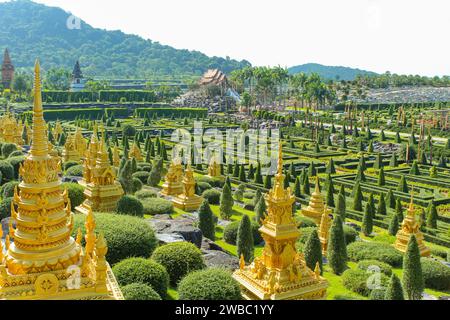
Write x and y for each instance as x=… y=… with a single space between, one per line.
x=37 y=66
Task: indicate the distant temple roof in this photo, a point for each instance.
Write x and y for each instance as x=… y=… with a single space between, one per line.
x=6 y=58
x=77 y=74
x=214 y=77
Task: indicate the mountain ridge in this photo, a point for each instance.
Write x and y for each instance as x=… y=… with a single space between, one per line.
x=330 y=72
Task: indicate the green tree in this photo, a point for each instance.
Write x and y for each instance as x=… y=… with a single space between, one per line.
x=258 y=175
x=330 y=195
x=337 y=247
x=126 y=178
x=367 y=223
x=156 y=172
x=394 y=290
x=378 y=162
x=432 y=216
x=381 y=178
x=390 y=199
x=206 y=221
x=297 y=188
x=242 y=174
x=415 y=169
x=268 y=182
x=399 y=209
x=245 y=244
x=258 y=196
x=306 y=186
x=393 y=162
x=312 y=172
x=393 y=225
x=260 y=210
x=341 y=207
x=382 y=210
x=413 y=282
x=403 y=186
x=313 y=251
x=226 y=203
x=357 y=200
x=331 y=169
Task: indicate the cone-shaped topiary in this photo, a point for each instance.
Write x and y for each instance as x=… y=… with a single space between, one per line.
x=260 y=210
x=306 y=186
x=403 y=186
x=337 y=247
x=357 y=200
x=378 y=162
x=371 y=202
x=393 y=225
x=297 y=188
x=413 y=282
x=367 y=224
x=257 y=197
x=381 y=178
x=206 y=221
x=312 y=172
x=432 y=216
x=360 y=175
x=390 y=199
x=394 y=290
x=331 y=169
x=399 y=210
x=242 y=174
x=393 y=162
x=330 y=195
x=313 y=251
x=245 y=246
x=226 y=203
x=268 y=182
x=341 y=207
x=258 y=174
x=382 y=210
x=415 y=169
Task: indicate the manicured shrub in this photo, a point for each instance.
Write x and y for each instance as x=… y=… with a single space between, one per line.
x=358 y=251
x=179 y=259
x=206 y=221
x=16 y=162
x=145 y=194
x=230 y=233
x=7 y=190
x=377 y=294
x=76 y=193
x=7 y=171
x=155 y=206
x=139 y=292
x=131 y=206
x=126 y=236
x=394 y=291
x=212 y=195
x=384 y=267
x=435 y=274
x=226 y=203
x=432 y=216
x=313 y=251
x=350 y=234
x=394 y=225
x=260 y=211
x=70 y=164
x=140 y=270
x=16 y=153
x=304 y=222
x=244 y=241
x=5 y=208
x=142 y=176
x=356 y=280
x=7 y=149
x=211 y=284
x=367 y=224
x=413 y=281
x=75 y=171
x=337 y=252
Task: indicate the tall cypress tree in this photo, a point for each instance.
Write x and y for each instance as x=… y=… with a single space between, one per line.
x=206 y=221
x=126 y=178
x=378 y=162
x=357 y=200
x=306 y=186
x=245 y=245
x=415 y=169
x=331 y=169
x=367 y=223
x=268 y=182
x=360 y=175
x=393 y=162
x=382 y=210
x=292 y=171
x=432 y=216
x=390 y=199
x=371 y=202
x=260 y=210
x=393 y=225
x=337 y=247
x=258 y=196
x=258 y=174
x=297 y=188
x=236 y=170
x=226 y=203
x=394 y=290
x=242 y=174
x=342 y=191
x=403 y=186
x=381 y=178
x=313 y=251
x=312 y=170
x=251 y=172
x=413 y=282
x=341 y=207
x=330 y=195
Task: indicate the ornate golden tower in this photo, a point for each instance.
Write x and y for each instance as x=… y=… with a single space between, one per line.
x=44 y=262
x=281 y=272
x=75 y=147
x=172 y=185
x=316 y=206
x=102 y=191
x=411 y=226
x=188 y=200
x=214 y=168
x=324 y=230
x=135 y=152
x=116 y=157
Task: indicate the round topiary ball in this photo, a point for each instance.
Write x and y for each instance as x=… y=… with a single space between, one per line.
x=75 y=171
x=126 y=236
x=7 y=149
x=154 y=206
x=140 y=270
x=179 y=259
x=139 y=292
x=131 y=206
x=212 y=195
x=7 y=190
x=76 y=193
x=211 y=284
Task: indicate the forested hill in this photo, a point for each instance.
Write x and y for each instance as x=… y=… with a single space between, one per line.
x=33 y=30
x=330 y=73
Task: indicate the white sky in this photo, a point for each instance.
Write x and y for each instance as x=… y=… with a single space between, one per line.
x=402 y=36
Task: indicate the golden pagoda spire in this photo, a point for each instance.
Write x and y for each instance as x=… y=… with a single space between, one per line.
x=90 y=234
x=39 y=144
x=1 y=245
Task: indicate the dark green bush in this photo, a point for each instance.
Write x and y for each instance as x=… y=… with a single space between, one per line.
x=230 y=233
x=131 y=206
x=358 y=251
x=203 y=186
x=7 y=190
x=76 y=193
x=350 y=234
x=212 y=284
x=7 y=149
x=5 y=208
x=140 y=270
x=16 y=153
x=304 y=222
x=126 y=236
x=213 y=196
x=75 y=171
x=384 y=267
x=16 y=162
x=179 y=259
x=139 y=292
x=356 y=280
x=7 y=171
x=154 y=206
x=435 y=274
x=141 y=175
x=214 y=182
x=70 y=164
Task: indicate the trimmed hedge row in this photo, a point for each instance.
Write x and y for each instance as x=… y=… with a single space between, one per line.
x=169 y=112
x=87 y=113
